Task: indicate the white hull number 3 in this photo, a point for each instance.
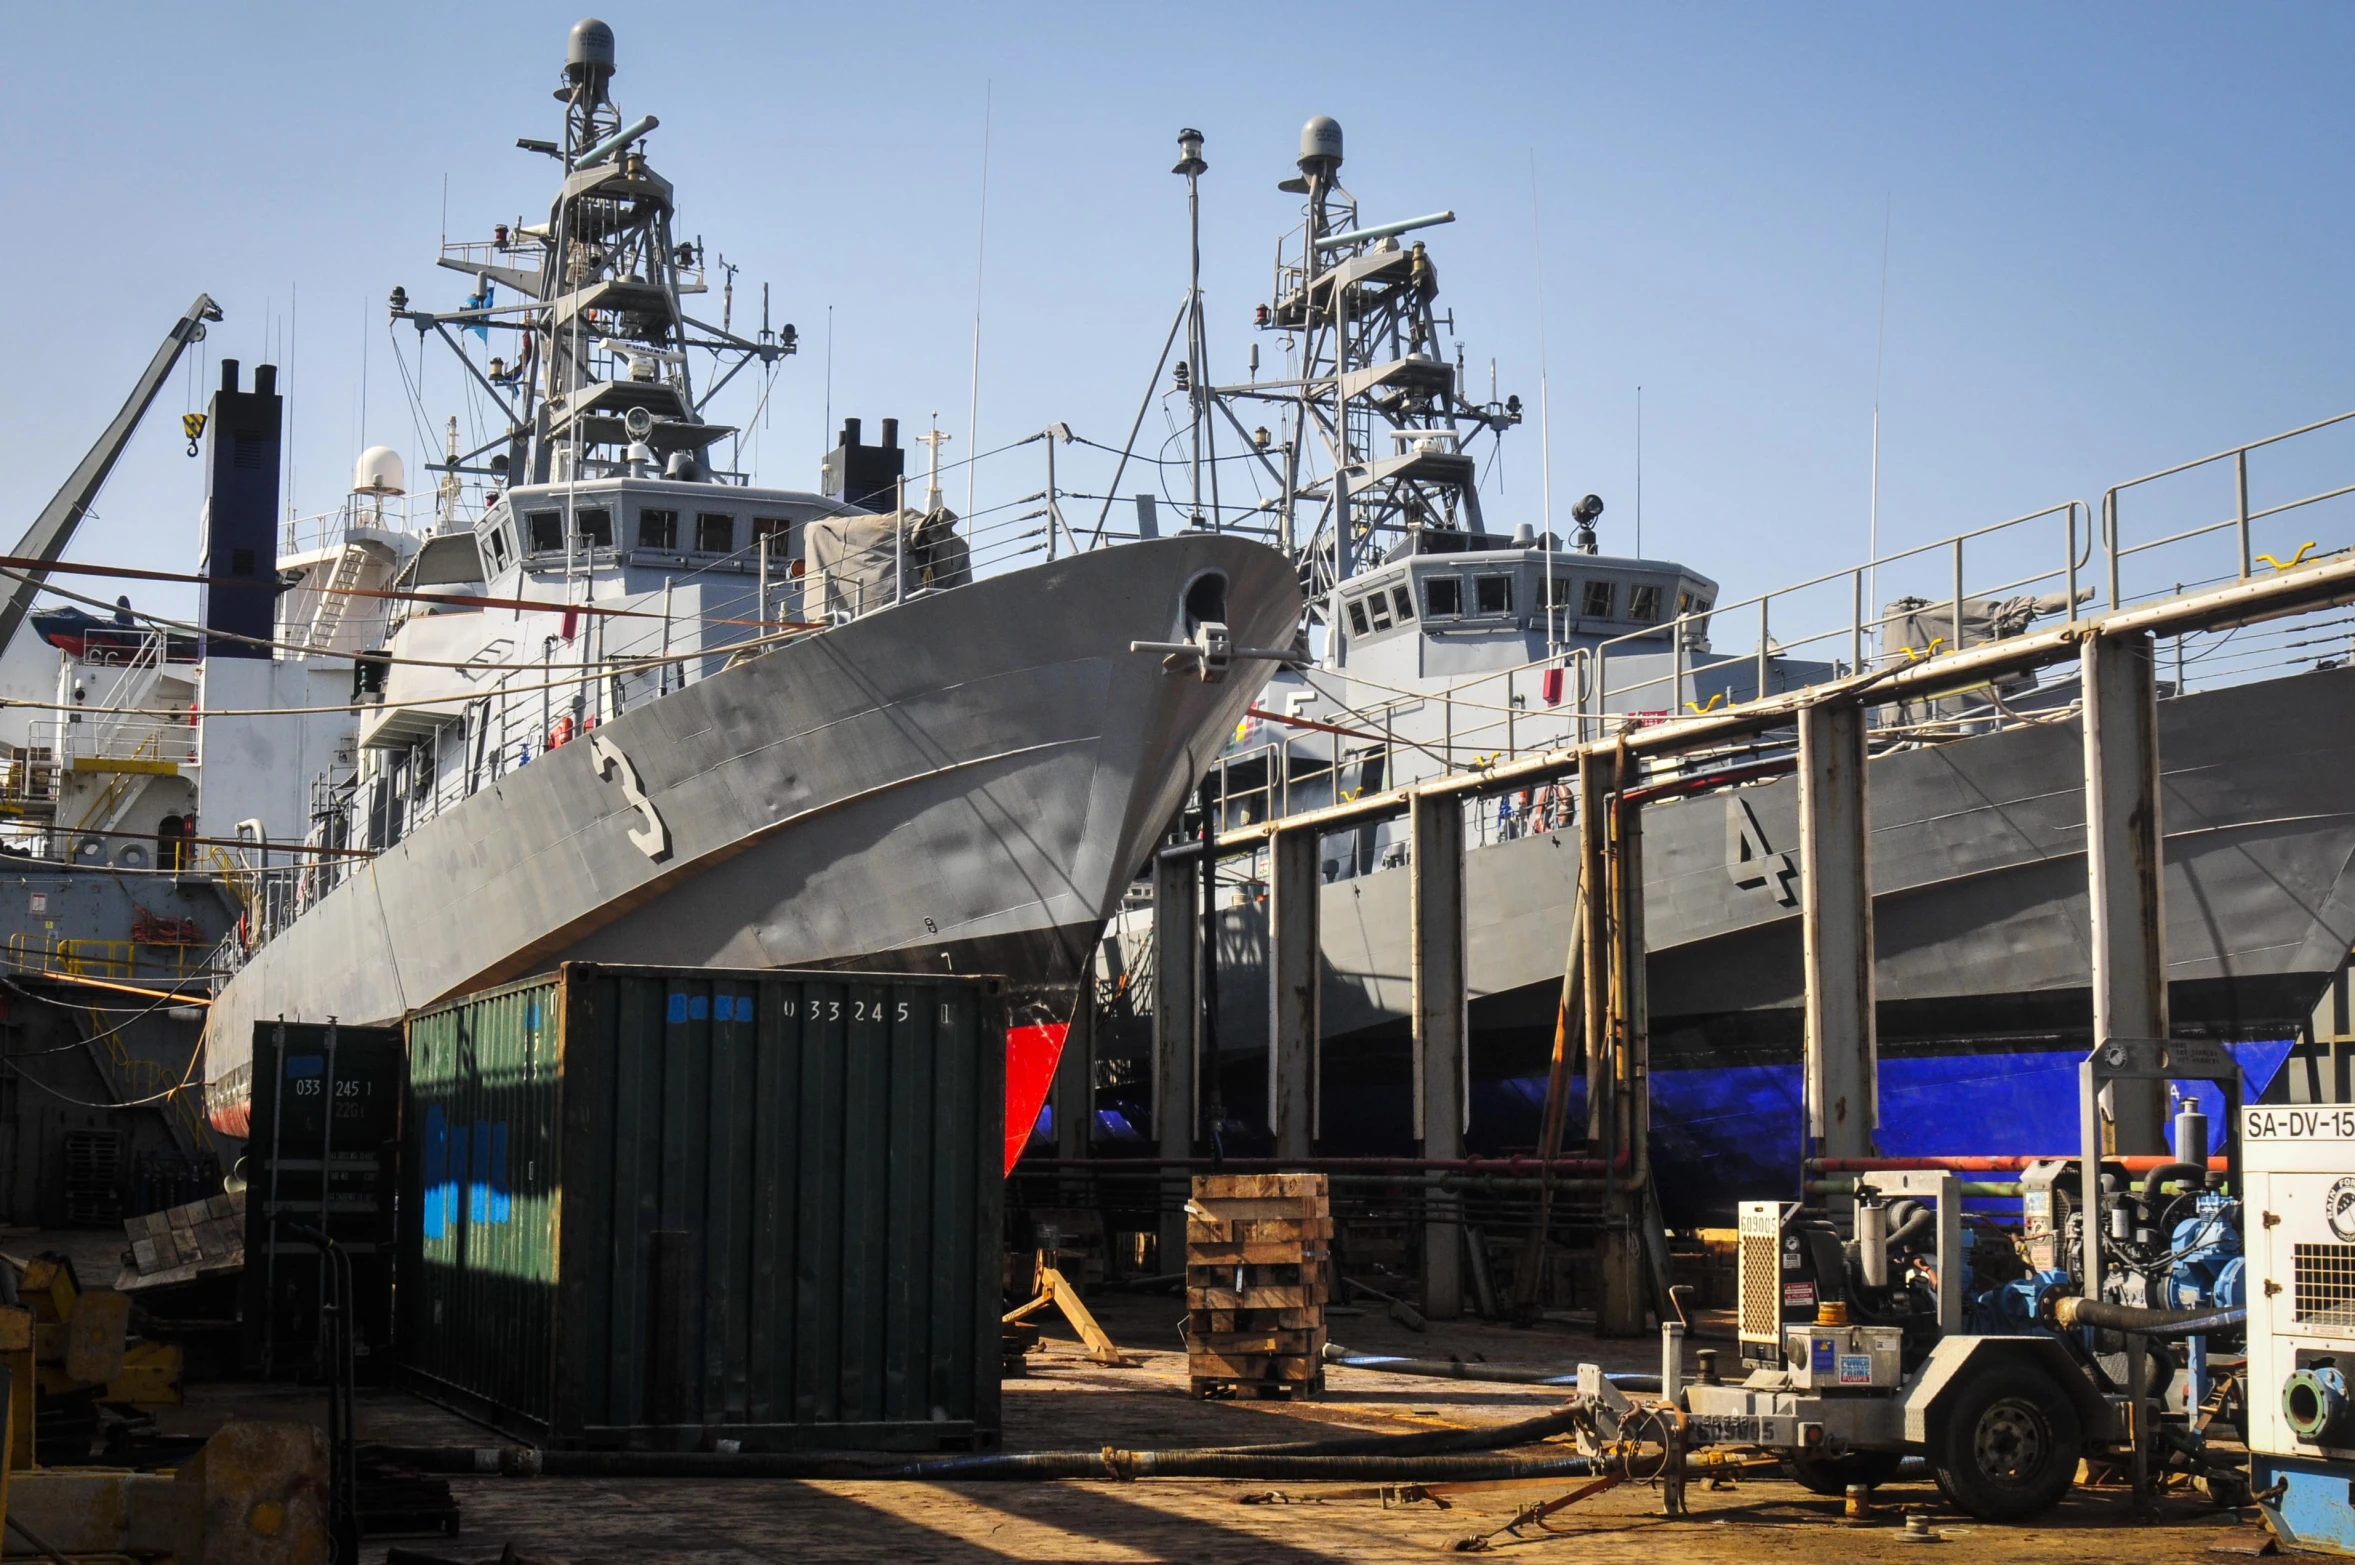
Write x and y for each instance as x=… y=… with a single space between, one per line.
x=654 y=838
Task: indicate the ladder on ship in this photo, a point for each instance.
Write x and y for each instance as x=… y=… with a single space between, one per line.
x=335 y=598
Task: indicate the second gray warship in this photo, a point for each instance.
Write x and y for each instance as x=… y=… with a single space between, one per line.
x=1443 y=643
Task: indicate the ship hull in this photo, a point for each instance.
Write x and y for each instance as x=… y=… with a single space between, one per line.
x=964 y=782
x=1980 y=919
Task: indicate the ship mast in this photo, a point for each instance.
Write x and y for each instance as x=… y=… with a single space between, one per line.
x=1377 y=419
x=601 y=382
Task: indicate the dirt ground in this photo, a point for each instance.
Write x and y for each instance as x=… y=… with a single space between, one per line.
x=1069 y=1403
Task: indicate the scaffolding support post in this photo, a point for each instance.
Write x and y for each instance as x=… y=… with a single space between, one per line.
x=1176 y=955
x=1622 y=1065
x=1075 y=1085
x=1836 y=912
x=1441 y=1018
x=1294 y=978
x=2125 y=869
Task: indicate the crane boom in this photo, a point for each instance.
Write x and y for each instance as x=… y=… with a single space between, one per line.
x=54 y=528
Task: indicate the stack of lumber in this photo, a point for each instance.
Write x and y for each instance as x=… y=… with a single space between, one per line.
x=1256 y=1247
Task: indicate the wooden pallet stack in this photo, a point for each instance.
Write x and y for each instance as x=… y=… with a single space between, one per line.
x=1256 y=1246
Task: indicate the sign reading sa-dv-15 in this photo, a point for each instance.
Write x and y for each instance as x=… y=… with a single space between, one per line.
x=2319 y=1122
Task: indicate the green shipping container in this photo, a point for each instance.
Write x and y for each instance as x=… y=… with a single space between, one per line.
x=658 y=1208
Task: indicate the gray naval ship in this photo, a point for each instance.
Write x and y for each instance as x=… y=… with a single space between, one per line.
x=1442 y=643
x=639 y=710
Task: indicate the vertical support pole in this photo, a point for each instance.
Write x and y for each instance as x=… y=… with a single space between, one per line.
x=1436 y=892
x=2125 y=867
x=2089 y=1143
x=1856 y=625
x=1075 y=1087
x=1175 y=954
x=1208 y=1068
x=1594 y=907
x=1764 y=641
x=1956 y=619
x=1623 y=1004
x=1836 y=912
x=2240 y=486
x=1293 y=982
x=1949 y=1251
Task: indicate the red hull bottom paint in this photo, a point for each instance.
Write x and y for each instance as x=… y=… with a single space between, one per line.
x=1031 y=1055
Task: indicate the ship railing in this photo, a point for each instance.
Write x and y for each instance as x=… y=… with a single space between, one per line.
x=2286 y=499
x=118 y=960
x=2238 y=514
x=120 y=719
x=570 y=688
x=1823 y=628
x=142 y=737
x=29 y=780
x=406 y=513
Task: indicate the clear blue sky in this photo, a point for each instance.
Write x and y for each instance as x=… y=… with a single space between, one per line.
x=2120 y=235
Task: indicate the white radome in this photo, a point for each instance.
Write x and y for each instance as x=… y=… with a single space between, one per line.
x=379 y=471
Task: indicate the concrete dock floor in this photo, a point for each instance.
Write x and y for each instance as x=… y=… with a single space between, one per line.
x=1068 y=1403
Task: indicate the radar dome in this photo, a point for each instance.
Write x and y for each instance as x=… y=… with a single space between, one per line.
x=588 y=52
x=379 y=471
x=1320 y=145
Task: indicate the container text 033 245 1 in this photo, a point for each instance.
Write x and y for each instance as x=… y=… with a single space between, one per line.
x=659 y=1207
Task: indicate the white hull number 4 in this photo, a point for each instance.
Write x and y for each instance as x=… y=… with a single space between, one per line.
x=654 y=838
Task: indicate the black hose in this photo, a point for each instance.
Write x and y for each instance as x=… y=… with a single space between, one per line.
x=2102 y=1314
x=1432 y=1442
x=1472 y=1467
x=1111 y=1462
x=2204 y=1325
x=2156 y=1180
x=1371 y=1451
x=1457 y=1369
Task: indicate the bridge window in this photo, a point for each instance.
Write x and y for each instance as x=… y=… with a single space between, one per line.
x=1494 y=594
x=595 y=527
x=715 y=533
x=658 y=529
x=547 y=531
x=1643 y=603
x=1378 y=605
x=1405 y=601
x=1443 y=596
x=1598 y=602
x=1357 y=616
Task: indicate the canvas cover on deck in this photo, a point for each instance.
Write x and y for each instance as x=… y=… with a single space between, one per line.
x=857 y=559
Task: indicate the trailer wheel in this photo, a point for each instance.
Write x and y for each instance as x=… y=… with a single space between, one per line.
x=1833 y=1474
x=2006 y=1447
